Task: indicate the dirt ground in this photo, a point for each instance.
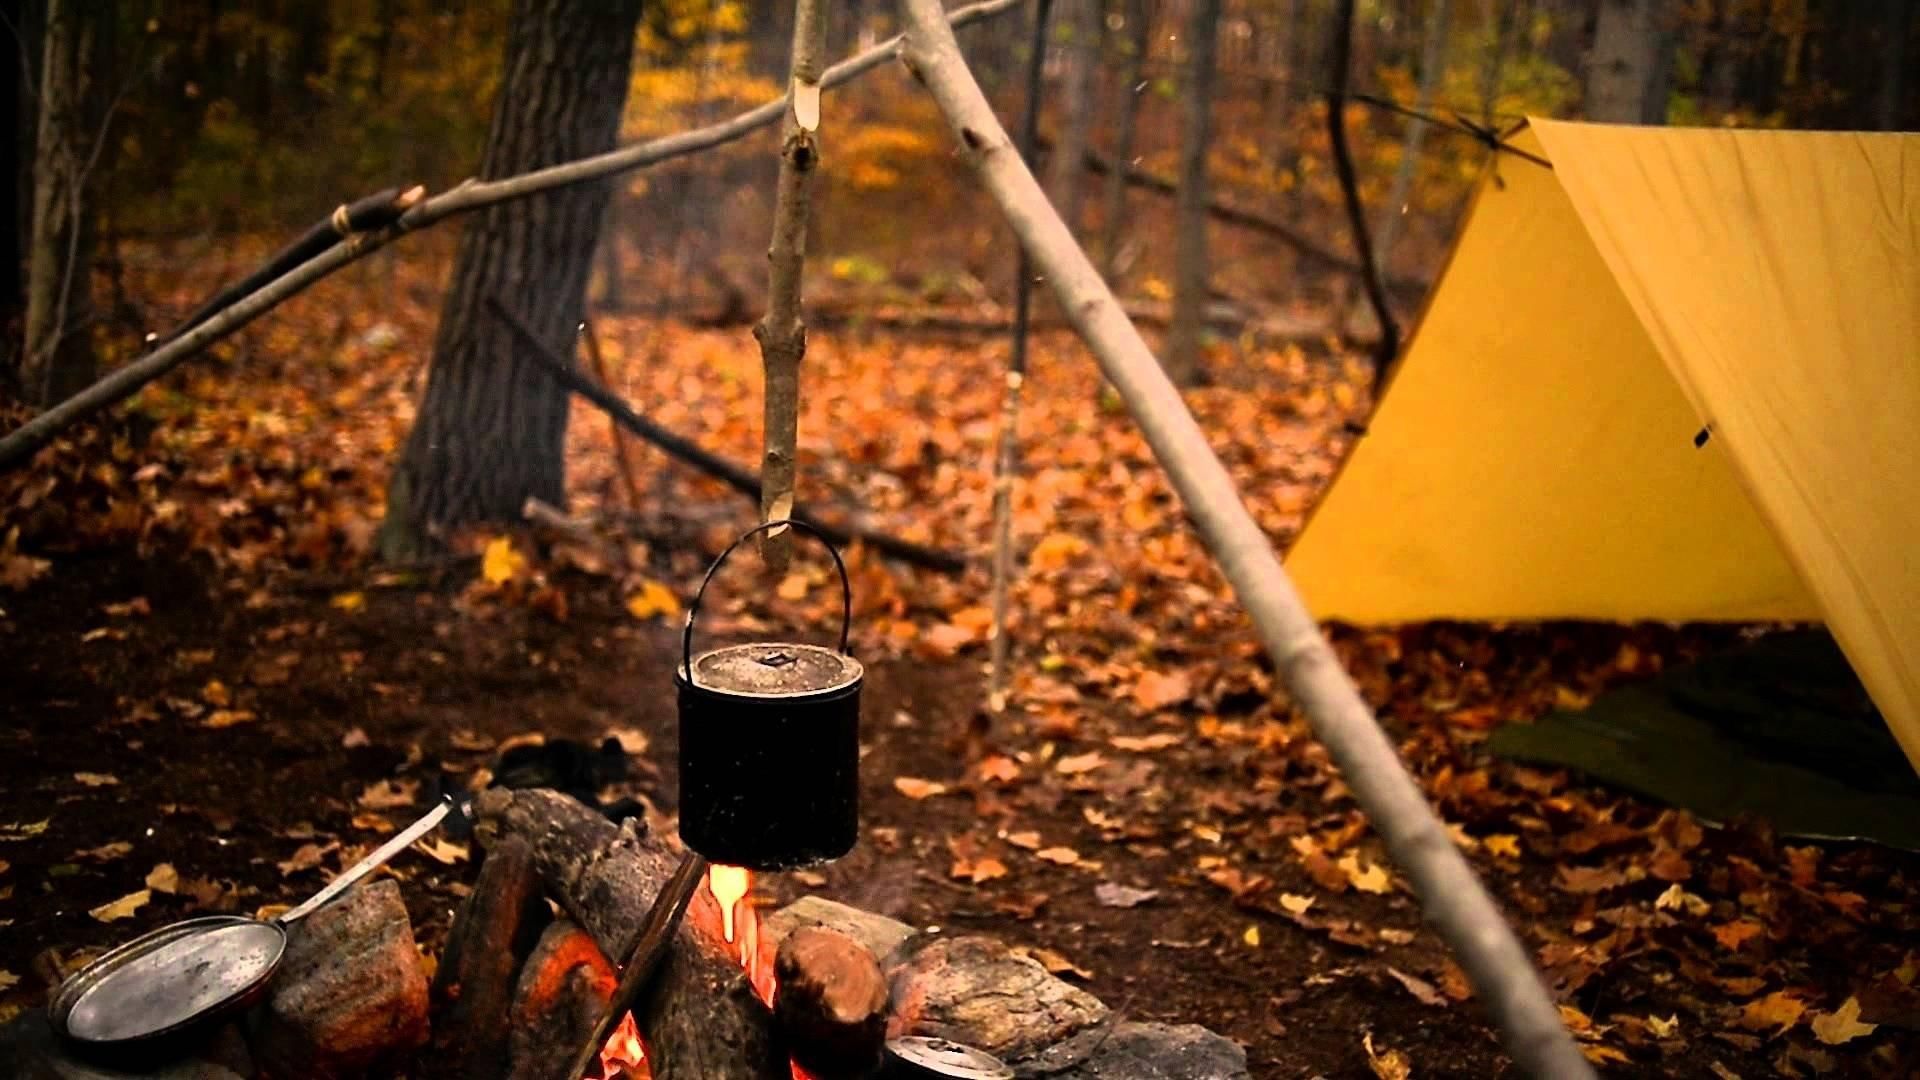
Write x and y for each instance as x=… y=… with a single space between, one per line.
x=105 y=724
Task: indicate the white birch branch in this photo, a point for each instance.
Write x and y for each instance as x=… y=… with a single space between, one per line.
x=19 y=444
x=1453 y=898
x=782 y=334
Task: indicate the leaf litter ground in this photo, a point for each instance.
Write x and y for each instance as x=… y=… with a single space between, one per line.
x=213 y=704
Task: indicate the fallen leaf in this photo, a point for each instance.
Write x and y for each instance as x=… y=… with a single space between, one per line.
x=389 y=794
x=226 y=718
x=8 y=980
x=1065 y=856
x=1734 y=934
x=1295 y=903
x=105 y=852
x=1677 y=899
x=792 y=587
x=1422 y=990
x=1145 y=744
x=1157 y=690
x=1373 y=879
x=349 y=602
x=1080 y=763
x=1054 y=962
x=122 y=908
x=1779 y=1010
x=15 y=830
x=94 y=779
x=1114 y=895
x=1029 y=840
x=501 y=563
x=984 y=868
x=1393 y=935
x=1252 y=936
x=1841 y=1025
x=1505 y=845
x=372 y=822
x=1604 y=1055
x=1386 y=1064
x=633 y=742
x=306 y=857
x=163 y=878
x=653 y=599
x=1664 y=1029
x=998 y=768
x=444 y=852
x=1587 y=880
x=355 y=738
x=215 y=693
x=915 y=788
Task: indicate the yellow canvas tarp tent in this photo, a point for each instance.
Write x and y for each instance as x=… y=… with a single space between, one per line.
x=1537 y=452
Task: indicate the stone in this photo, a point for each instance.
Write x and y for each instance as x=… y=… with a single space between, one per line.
x=975 y=991
x=1130 y=1051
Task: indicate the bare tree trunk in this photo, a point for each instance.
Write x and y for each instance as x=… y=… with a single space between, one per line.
x=1627 y=64
x=57 y=359
x=1433 y=69
x=1130 y=90
x=1896 y=22
x=492 y=429
x=782 y=334
x=1065 y=174
x=1190 y=206
x=14 y=155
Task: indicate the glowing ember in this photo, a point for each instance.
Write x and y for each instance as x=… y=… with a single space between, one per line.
x=625 y=1056
x=729 y=885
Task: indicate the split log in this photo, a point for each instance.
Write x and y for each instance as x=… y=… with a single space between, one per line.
x=563 y=990
x=831 y=1005
x=701 y=1019
x=473 y=988
x=350 y=992
x=976 y=991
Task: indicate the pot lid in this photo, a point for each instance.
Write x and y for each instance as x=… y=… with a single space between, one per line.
x=941 y=1058
x=775 y=669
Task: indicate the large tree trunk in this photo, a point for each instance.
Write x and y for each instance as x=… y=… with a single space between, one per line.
x=1627 y=70
x=1066 y=175
x=1130 y=78
x=1190 y=207
x=491 y=431
x=13 y=158
x=57 y=358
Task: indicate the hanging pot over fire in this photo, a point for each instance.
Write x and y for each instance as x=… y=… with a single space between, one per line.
x=770 y=741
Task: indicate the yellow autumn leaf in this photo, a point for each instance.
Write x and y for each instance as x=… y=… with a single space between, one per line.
x=163 y=878
x=1779 y=1010
x=1252 y=936
x=915 y=788
x=1505 y=845
x=1065 y=856
x=653 y=599
x=349 y=601
x=1386 y=1063
x=8 y=980
x=94 y=779
x=1372 y=879
x=1842 y=1024
x=792 y=587
x=444 y=852
x=1664 y=1029
x=501 y=563
x=1296 y=903
x=122 y=908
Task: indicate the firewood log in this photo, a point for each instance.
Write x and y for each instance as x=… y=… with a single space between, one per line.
x=473 y=988
x=831 y=1004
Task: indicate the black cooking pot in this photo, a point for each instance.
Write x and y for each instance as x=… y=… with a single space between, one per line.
x=770 y=742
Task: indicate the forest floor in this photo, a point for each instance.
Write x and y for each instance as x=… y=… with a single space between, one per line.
x=213 y=702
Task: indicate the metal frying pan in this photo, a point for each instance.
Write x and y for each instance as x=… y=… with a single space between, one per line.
x=165 y=984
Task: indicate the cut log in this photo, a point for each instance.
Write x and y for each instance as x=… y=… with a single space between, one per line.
x=700 y=1019
x=350 y=993
x=564 y=988
x=975 y=991
x=473 y=988
x=831 y=1005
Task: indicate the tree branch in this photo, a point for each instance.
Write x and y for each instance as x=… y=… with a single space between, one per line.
x=734 y=476
x=782 y=334
x=20 y=443
x=1454 y=900
x=1388 y=346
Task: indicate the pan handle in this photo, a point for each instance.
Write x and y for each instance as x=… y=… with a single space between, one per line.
x=368 y=865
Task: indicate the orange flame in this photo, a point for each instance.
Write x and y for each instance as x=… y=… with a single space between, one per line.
x=728 y=885
x=740 y=925
x=625 y=1056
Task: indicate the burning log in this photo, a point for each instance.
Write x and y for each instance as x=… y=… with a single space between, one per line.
x=350 y=993
x=701 y=1019
x=563 y=989
x=473 y=988
x=831 y=1003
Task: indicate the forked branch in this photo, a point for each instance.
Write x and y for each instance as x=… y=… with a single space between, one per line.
x=1454 y=900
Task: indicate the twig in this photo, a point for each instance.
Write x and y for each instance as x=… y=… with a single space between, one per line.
x=781 y=334
x=1007 y=455
x=656 y=938
x=736 y=477
x=20 y=443
x=1389 y=344
x=622 y=444
x=1454 y=900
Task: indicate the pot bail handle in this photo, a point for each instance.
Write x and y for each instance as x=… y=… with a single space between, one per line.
x=846 y=586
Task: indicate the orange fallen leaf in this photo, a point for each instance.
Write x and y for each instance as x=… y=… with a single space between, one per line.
x=1080 y=763
x=1842 y=1025
x=1145 y=744
x=123 y=908
x=1734 y=934
x=915 y=788
x=1779 y=1010
x=1065 y=856
x=1157 y=690
x=998 y=768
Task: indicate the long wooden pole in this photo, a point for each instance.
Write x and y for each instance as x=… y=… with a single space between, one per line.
x=1454 y=899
